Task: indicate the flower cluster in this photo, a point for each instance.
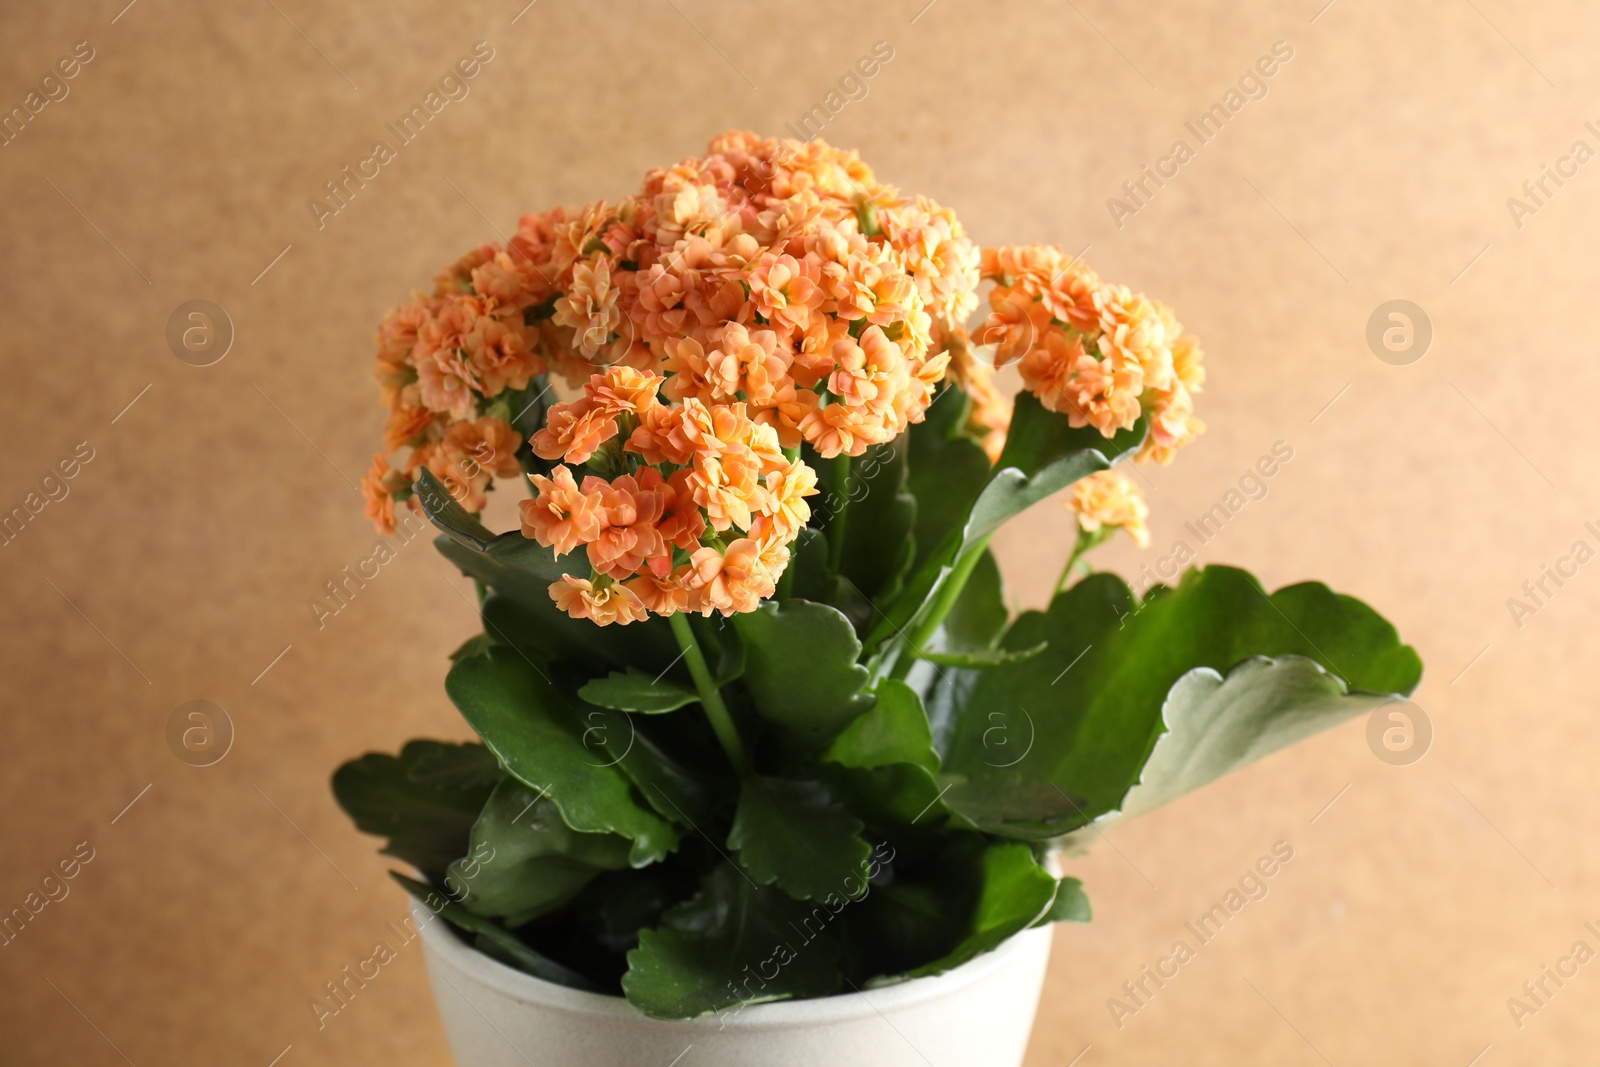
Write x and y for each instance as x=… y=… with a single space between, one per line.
x=777 y=274
x=766 y=295
x=1101 y=353
x=701 y=520
x=1108 y=500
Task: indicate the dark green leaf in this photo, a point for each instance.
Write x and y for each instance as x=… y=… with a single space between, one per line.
x=1013 y=891
x=718 y=949
x=426 y=820
x=469 y=767
x=1069 y=906
x=793 y=834
x=493 y=939
x=634 y=690
x=676 y=793
x=476 y=645
x=878 y=543
x=800 y=668
x=808 y=558
x=524 y=860
x=445 y=513
x=948 y=470
x=894 y=731
x=540 y=738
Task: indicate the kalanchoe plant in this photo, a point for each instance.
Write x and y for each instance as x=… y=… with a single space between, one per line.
x=756 y=721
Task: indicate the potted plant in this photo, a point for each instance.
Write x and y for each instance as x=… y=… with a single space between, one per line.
x=767 y=767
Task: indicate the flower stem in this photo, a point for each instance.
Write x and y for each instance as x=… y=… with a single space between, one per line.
x=710 y=696
x=922 y=631
x=1085 y=541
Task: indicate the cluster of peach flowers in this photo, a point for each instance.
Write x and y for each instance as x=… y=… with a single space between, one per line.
x=769 y=294
x=1108 y=500
x=700 y=520
x=773 y=285
x=1101 y=354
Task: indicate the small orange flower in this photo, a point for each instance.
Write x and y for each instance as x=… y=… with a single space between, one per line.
x=656 y=439
x=562 y=516
x=661 y=595
x=574 y=431
x=623 y=390
x=409 y=420
x=729 y=582
x=682 y=522
x=445 y=384
x=786 y=493
x=728 y=485
x=746 y=362
x=377 y=488
x=611 y=602
x=629 y=509
x=590 y=306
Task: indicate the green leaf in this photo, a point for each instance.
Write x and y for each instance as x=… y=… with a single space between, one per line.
x=979 y=615
x=476 y=645
x=444 y=512
x=894 y=731
x=716 y=949
x=493 y=939
x=1215 y=725
x=948 y=470
x=524 y=860
x=1043 y=455
x=443 y=765
x=1012 y=892
x=520 y=612
x=1010 y=806
x=1083 y=719
x=634 y=690
x=808 y=558
x=526 y=723
x=800 y=668
x=424 y=800
x=677 y=794
x=793 y=834
x=987 y=657
x=878 y=543
x=1069 y=906
x=889 y=760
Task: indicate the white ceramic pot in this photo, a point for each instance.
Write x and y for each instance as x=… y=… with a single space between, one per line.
x=977 y=1014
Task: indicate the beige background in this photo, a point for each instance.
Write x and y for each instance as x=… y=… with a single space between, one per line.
x=215 y=507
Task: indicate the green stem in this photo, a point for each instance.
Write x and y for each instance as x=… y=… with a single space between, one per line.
x=922 y=631
x=1084 y=543
x=839 y=486
x=710 y=696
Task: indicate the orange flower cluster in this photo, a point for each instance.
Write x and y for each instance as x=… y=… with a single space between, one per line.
x=1101 y=353
x=706 y=485
x=1108 y=500
x=768 y=294
x=777 y=274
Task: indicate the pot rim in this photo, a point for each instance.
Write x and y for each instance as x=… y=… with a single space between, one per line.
x=441 y=938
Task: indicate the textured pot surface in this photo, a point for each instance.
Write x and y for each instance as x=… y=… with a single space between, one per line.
x=980 y=1013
